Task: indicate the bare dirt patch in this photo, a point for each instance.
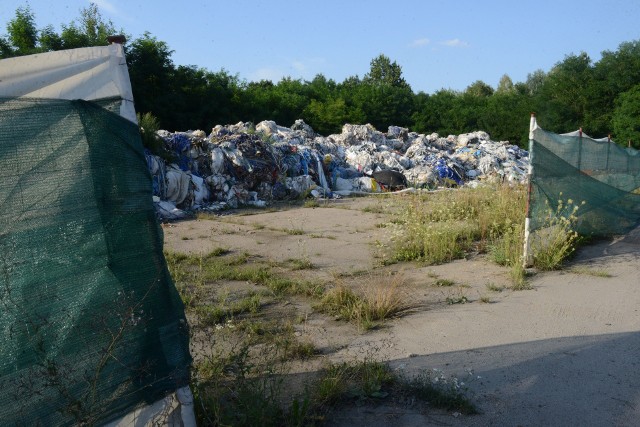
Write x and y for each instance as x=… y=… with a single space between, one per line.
x=563 y=353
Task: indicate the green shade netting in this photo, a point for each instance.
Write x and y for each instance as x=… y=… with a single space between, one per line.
x=91 y=324
x=599 y=177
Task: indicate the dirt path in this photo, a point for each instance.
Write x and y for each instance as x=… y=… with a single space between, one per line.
x=564 y=353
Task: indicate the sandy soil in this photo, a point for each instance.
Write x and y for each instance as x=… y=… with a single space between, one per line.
x=564 y=353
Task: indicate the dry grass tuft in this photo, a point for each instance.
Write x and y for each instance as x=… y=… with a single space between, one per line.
x=369 y=304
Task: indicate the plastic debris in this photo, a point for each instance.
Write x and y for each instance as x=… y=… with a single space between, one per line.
x=246 y=165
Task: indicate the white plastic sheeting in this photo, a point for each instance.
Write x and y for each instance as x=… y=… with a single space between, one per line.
x=175 y=410
x=90 y=73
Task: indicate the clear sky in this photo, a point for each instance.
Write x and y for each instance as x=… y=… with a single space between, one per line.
x=440 y=44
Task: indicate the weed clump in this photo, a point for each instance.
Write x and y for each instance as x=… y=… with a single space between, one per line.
x=442 y=226
x=368 y=306
x=556 y=241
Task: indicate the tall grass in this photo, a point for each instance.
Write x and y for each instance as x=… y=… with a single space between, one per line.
x=443 y=226
x=440 y=227
x=556 y=240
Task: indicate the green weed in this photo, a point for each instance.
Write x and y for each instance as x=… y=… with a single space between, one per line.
x=556 y=240
x=457 y=299
x=444 y=283
x=293 y=231
x=494 y=288
x=440 y=392
x=301 y=263
x=443 y=226
x=590 y=272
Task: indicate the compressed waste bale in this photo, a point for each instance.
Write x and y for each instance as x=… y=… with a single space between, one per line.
x=362 y=133
x=268 y=127
x=240 y=127
x=366 y=183
x=178 y=185
x=397 y=132
x=390 y=179
x=168 y=211
x=217 y=161
x=488 y=165
x=343 y=184
x=200 y=190
x=157 y=168
x=300 y=184
x=303 y=128
x=465 y=139
x=392 y=160
x=421 y=176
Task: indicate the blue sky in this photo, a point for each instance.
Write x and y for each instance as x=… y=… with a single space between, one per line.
x=440 y=44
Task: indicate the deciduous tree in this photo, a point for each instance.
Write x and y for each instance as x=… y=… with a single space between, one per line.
x=23 y=34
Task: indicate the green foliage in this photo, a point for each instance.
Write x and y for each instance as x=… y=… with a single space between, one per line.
x=24 y=38
x=443 y=226
x=149 y=125
x=535 y=81
x=385 y=72
x=23 y=34
x=193 y=271
x=327 y=117
x=94 y=27
x=505 y=85
x=507 y=249
x=565 y=95
x=626 y=117
x=360 y=380
x=233 y=389
x=150 y=72
x=385 y=105
x=90 y=30
x=189 y=86
x=50 y=40
x=443 y=283
x=575 y=93
x=457 y=299
x=434 y=113
x=5 y=48
x=479 y=89
x=556 y=240
x=507 y=114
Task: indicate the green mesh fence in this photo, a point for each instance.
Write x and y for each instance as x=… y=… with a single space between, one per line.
x=599 y=177
x=91 y=324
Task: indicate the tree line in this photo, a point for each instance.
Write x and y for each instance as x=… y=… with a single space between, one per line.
x=603 y=97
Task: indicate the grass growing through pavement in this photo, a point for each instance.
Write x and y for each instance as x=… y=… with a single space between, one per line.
x=370 y=305
x=440 y=227
x=369 y=380
x=557 y=240
x=242 y=360
x=590 y=272
x=192 y=272
x=244 y=380
x=233 y=389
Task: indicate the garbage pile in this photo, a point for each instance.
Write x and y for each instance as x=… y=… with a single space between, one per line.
x=246 y=165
